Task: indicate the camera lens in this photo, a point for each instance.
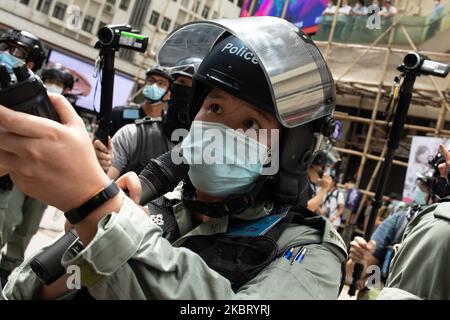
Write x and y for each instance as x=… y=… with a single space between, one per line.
x=105 y=35
x=412 y=60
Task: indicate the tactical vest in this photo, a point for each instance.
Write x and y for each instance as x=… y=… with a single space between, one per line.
x=151 y=142
x=238 y=258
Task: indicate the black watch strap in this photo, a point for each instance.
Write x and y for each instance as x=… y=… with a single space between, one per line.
x=78 y=214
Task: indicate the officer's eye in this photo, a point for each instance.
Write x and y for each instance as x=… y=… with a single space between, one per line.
x=251 y=124
x=215 y=108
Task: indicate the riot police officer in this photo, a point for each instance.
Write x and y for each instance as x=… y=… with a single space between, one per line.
x=57 y=79
x=16 y=229
x=243 y=229
x=419 y=269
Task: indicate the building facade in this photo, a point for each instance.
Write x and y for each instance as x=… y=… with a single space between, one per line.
x=72 y=25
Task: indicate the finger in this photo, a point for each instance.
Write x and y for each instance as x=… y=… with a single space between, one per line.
x=98 y=145
x=102 y=156
x=371 y=245
x=9 y=161
x=66 y=112
x=105 y=164
x=444 y=152
x=24 y=124
x=109 y=144
x=361 y=242
x=443 y=168
x=3 y=171
x=130 y=181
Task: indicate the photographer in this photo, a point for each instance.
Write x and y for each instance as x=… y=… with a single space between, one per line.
x=124 y=255
x=20 y=215
x=419 y=269
x=134 y=144
x=124 y=148
x=319 y=182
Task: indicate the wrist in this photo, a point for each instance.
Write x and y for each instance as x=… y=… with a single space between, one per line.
x=87 y=191
x=87 y=228
x=97 y=199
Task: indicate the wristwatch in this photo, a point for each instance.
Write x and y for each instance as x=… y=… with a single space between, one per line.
x=78 y=214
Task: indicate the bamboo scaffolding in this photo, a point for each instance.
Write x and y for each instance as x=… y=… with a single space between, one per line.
x=381 y=122
x=333 y=27
x=375 y=111
x=379 y=90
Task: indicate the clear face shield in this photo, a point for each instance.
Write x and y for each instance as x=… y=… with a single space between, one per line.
x=302 y=87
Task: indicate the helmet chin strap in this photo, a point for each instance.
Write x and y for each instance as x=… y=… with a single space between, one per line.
x=232 y=205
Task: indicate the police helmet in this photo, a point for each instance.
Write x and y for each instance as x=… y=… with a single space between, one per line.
x=273 y=65
x=233 y=67
x=185 y=67
x=157 y=70
x=34 y=46
x=58 y=73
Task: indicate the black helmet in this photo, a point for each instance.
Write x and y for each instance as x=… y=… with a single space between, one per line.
x=59 y=73
x=34 y=45
x=157 y=70
x=273 y=65
x=233 y=67
x=185 y=67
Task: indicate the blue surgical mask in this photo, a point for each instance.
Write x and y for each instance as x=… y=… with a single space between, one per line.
x=420 y=197
x=222 y=161
x=153 y=93
x=9 y=60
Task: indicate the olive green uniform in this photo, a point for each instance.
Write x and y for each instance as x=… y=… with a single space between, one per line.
x=21 y=222
x=4 y=199
x=419 y=270
x=129 y=259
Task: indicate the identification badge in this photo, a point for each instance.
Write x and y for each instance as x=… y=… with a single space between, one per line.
x=131 y=114
x=257 y=227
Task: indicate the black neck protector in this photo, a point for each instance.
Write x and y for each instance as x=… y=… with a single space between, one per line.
x=263 y=190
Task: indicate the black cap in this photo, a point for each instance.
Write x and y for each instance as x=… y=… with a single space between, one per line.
x=233 y=67
x=33 y=44
x=59 y=73
x=185 y=67
x=160 y=72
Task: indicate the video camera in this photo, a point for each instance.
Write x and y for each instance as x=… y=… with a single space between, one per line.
x=121 y=36
x=421 y=64
x=110 y=39
x=435 y=161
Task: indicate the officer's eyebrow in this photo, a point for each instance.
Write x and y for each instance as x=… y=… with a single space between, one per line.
x=216 y=95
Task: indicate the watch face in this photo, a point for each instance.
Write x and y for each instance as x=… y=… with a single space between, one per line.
x=131 y=114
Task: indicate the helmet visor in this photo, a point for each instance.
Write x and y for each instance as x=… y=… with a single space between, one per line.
x=301 y=84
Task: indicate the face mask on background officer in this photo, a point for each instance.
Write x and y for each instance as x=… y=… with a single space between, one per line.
x=57 y=79
x=18 y=46
x=178 y=112
x=156 y=89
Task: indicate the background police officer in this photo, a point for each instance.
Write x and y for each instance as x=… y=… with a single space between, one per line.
x=57 y=79
x=16 y=229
